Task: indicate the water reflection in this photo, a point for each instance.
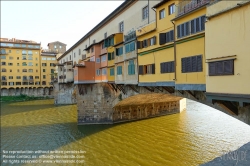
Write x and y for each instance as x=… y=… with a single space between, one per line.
x=193 y=137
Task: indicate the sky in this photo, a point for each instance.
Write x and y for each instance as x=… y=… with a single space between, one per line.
x=49 y=21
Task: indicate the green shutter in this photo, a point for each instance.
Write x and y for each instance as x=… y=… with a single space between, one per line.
x=112 y=41
x=109 y=56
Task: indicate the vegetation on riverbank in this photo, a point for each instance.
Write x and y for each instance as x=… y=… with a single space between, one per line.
x=21 y=97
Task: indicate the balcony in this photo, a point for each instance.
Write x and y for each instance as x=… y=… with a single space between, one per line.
x=188 y=6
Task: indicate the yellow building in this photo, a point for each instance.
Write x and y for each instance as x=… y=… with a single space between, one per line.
x=20 y=64
x=156 y=49
x=228 y=52
x=25 y=67
x=190 y=45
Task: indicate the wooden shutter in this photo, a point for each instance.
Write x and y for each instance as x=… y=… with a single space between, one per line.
x=109 y=56
x=197 y=24
x=138 y=45
x=199 y=63
x=211 y=68
x=153 y=68
x=171 y=35
x=228 y=67
x=203 y=23
x=141 y=70
x=145 y=43
x=183 y=65
x=172 y=67
x=178 y=31
x=167 y=37
x=194 y=64
x=187 y=31
x=183 y=30
x=192 y=26
x=162 y=38
x=162 y=67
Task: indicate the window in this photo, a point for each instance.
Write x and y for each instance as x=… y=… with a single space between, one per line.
x=24 y=70
x=162 y=14
x=121 y=26
x=9 y=51
x=18 y=70
x=44 y=64
x=3 y=51
x=18 y=77
x=17 y=64
x=3 y=70
x=131 y=67
x=69 y=57
x=103 y=46
x=11 y=57
x=53 y=59
x=119 y=51
x=30 y=70
x=93 y=41
x=44 y=76
x=54 y=46
x=44 y=70
x=43 y=58
x=104 y=71
x=191 y=27
x=30 y=53
x=3 y=63
x=171 y=9
x=145 y=12
x=119 y=70
x=24 y=45
x=166 y=37
x=10 y=64
x=24 y=64
x=147 y=42
x=3 y=78
x=17 y=58
x=105 y=35
x=49 y=59
x=92 y=49
x=11 y=77
x=147 y=69
x=103 y=58
x=152 y=41
x=30 y=46
x=51 y=64
x=112 y=72
x=97 y=60
x=43 y=82
x=18 y=83
x=24 y=52
x=79 y=51
x=36 y=77
x=129 y=47
x=3 y=56
x=191 y=64
x=10 y=70
x=52 y=70
x=218 y=68
x=30 y=57
x=30 y=64
x=24 y=57
x=98 y=72
x=111 y=56
x=109 y=42
x=167 y=67
x=11 y=83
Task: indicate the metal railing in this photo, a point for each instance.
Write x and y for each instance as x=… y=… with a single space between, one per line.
x=187 y=6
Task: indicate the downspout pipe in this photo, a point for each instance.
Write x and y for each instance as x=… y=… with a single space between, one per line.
x=174 y=52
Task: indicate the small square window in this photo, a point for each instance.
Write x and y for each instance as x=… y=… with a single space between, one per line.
x=162 y=14
x=171 y=9
x=121 y=26
x=145 y=12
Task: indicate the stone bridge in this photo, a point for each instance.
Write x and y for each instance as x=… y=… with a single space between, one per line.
x=96 y=102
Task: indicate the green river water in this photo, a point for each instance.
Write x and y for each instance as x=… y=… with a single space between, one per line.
x=192 y=137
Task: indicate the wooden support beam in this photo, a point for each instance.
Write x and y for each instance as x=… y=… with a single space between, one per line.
x=133 y=88
x=149 y=89
x=189 y=92
x=166 y=89
x=121 y=89
x=112 y=87
x=159 y=88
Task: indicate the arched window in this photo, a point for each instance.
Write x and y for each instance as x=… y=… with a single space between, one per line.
x=44 y=83
x=3 y=70
x=24 y=70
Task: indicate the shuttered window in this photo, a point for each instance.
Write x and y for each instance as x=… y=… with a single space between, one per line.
x=112 y=72
x=162 y=38
x=170 y=36
x=167 y=67
x=109 y=42
x=119 y=51
x=131 y=67
x=221 y=68
x=130 y=47
x=111 y=56
x=183 y=30
x=119 y=70
x=147 y=69
x=191 y=64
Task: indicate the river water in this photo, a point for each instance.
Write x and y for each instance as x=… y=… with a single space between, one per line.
x=192 y=137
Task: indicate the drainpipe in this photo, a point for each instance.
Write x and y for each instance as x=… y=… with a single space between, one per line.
x=174 y=53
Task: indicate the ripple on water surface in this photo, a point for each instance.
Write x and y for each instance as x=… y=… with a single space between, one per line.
x=193 y=137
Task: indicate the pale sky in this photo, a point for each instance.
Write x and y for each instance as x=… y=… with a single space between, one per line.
x=49 y=21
